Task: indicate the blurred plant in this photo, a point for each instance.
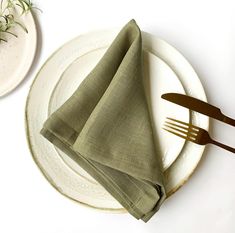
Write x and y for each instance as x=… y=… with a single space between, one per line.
x=7 y=16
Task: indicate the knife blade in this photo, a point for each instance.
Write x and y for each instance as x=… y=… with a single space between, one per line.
x=198 y=106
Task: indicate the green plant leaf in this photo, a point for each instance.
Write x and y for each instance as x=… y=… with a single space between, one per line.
x=7 y=19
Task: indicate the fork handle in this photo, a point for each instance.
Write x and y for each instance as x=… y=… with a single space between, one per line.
x=223 y=146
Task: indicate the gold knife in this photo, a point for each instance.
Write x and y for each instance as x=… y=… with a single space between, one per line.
x=198 y=106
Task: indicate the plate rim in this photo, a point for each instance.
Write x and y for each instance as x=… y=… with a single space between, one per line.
x=30 y=63
x=30 y=146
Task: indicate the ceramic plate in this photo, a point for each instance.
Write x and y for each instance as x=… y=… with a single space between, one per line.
x=17 y=55
x=165 y=70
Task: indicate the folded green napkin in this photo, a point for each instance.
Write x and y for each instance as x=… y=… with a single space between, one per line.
x=105 y=126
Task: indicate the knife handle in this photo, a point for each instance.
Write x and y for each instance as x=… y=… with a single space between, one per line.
x=229 y=120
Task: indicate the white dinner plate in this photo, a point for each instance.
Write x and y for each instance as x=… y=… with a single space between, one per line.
x=165 y=70
x=17 y=55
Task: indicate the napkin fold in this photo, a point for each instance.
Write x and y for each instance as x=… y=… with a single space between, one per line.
x=105 y=126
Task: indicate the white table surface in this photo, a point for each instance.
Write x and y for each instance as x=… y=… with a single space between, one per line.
x=204 y=31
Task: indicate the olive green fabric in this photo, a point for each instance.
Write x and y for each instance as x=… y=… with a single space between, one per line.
x=105 y=126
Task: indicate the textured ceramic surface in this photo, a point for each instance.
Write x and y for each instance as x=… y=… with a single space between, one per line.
x=17 y=55
x=165 y=69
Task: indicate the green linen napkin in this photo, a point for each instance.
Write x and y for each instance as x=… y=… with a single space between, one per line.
x=105 y=127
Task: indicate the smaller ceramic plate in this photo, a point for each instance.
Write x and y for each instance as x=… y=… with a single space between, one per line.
x=159 y=78
x=17 y=55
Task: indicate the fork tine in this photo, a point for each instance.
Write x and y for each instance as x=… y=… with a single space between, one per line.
x=177 y=125
x=184 y=123
x=176 y=129
x=189 y=129
x=179 y=129
x=177 y=134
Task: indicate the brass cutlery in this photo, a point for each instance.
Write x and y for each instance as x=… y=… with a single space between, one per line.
x=198 y=106
x=192 y=133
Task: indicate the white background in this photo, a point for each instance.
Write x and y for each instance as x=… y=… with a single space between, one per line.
x=204 y=31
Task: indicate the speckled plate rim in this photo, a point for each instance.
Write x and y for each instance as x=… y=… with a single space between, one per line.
x=30 y=58
x=30 y=147
x=120 y=210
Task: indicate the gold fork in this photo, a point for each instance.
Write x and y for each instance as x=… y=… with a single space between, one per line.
x=192 y=133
